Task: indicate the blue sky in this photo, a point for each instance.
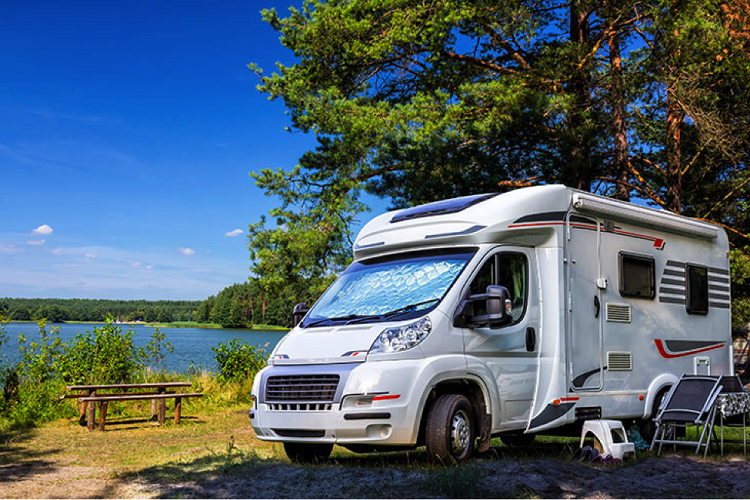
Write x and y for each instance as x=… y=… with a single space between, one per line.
x=127 y=132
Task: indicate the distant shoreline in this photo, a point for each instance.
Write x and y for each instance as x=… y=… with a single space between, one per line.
x=176 y=324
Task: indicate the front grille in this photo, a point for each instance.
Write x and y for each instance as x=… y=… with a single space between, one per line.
x=301 y=387
x=300 y=433
x=300 y=406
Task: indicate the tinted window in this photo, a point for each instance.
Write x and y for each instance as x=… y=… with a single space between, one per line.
x=504 y=269
x=637 y=277
x=697 y=289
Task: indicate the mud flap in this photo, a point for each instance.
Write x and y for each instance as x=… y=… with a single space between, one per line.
x=484 y=433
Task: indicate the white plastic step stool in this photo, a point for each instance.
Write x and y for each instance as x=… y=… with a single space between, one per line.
x=611 y=437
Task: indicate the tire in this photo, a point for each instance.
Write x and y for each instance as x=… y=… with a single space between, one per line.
x=518 y=439
x=647 y=427
x=451 y=429
x=307 y=453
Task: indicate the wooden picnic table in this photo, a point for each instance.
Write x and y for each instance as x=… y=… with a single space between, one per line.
x=89 y=395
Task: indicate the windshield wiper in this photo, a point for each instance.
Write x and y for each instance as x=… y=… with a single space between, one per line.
x=357 y=318
x=395 y=312
x=340 y=318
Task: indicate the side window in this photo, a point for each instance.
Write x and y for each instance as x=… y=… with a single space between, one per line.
x=508 y=270
x=637 y=276
x=512 y=275
x=485 y=277
x=697 y=289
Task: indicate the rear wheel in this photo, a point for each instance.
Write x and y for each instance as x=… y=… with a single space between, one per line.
x=305 y=452
x=518 y=439
x=450 y=431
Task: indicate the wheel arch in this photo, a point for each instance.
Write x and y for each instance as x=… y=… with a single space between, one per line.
x=657 y=385
x=476 y=392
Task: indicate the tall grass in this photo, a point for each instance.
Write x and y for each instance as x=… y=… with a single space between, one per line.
x=33 y=387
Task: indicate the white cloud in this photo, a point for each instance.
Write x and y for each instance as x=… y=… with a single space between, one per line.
x=91 y=256
x=233 y=233
x=186 y=251
x=150 y=267
x=43 y=229
x=58 y=251
x=136 y=264
x=36 y=242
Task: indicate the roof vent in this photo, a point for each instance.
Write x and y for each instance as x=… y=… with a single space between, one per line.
x=619 y=313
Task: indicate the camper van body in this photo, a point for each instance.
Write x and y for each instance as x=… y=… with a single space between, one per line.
x=612 y=302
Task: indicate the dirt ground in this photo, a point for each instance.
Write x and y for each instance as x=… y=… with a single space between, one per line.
x=218 y=456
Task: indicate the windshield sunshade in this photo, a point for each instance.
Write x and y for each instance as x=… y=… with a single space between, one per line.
x=441 y=207
x=380 y=290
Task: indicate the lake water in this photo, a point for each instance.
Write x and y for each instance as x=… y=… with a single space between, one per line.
x=192 y=346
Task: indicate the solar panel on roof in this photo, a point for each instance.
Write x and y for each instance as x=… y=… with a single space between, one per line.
x=441 y=207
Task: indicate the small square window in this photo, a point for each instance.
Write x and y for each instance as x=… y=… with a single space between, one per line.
x=637 y=276
x=697 y=289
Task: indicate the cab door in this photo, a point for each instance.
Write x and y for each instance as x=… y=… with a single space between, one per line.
x=509 y=353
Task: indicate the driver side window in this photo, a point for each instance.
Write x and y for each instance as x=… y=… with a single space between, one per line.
x=509 y=270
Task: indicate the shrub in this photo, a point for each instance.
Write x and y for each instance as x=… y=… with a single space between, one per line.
x=238 y=359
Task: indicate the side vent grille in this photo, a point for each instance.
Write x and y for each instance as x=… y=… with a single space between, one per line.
x=619 y=313
x=589 y=413
x=619 y=361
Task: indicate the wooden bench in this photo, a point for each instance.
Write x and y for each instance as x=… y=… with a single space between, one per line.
x=89 y=395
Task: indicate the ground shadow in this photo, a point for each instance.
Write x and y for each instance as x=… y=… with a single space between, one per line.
x=542 y=470
x=18 y=462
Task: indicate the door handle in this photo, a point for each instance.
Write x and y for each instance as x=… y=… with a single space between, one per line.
x=597 y=306
x=530 y=339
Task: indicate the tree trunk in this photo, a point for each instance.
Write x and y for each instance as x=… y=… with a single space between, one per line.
x=674 y=167
x=617 y=95
x=580 y=152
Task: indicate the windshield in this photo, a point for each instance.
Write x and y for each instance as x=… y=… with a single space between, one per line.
x=380 y=289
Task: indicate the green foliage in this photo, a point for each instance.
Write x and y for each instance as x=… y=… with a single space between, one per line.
x=243 y=305
x=238 y=360
x=56 y=310
x=416 y=102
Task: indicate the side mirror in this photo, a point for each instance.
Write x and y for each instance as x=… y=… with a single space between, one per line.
x=299 y=313
x=491 y=309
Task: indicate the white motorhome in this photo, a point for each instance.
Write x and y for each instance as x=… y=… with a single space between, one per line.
x=499 y=315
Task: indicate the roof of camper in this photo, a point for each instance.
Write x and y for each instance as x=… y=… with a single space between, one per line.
x=480 y=218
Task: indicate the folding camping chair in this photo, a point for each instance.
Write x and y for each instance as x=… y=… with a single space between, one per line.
x=687 y=404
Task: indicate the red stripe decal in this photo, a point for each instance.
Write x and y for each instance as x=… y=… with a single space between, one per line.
x=665 y=354
x=569 y=399
x=386 y=396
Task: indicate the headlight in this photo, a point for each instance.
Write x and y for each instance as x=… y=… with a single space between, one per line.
x=402 y=338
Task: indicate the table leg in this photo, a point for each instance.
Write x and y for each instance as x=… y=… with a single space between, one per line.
x=177 y=410
x=91 y=415
x=102 y=415
x=153 y=410
x=162 y=410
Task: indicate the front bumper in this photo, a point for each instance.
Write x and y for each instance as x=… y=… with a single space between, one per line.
x=392 y=420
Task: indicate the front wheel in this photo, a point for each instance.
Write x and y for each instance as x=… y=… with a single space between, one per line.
x=450 y=431
x=307 y=453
